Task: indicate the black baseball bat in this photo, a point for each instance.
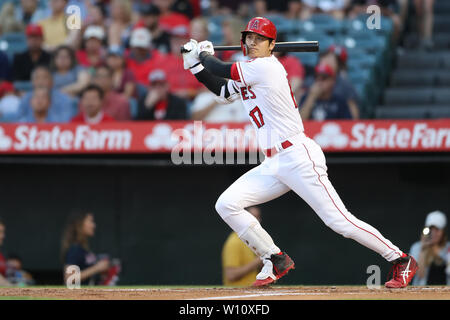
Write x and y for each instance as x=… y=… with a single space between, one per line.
x=294 y=46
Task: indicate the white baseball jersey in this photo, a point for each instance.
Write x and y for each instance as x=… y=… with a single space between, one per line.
x=268 y=99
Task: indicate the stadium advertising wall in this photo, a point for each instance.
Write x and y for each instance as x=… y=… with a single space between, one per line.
x=164 y=137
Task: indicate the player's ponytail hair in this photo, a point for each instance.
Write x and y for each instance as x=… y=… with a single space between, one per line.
x=72 y=233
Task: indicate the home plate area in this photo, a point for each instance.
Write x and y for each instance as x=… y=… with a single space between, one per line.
x=198 y=293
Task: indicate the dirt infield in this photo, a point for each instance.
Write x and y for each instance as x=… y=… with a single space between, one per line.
x=271 y=293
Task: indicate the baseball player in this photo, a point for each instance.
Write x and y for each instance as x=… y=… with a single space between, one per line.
x=293 y=161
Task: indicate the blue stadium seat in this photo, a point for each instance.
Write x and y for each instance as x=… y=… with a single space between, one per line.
x=306 y=58
x=366 y=61
x=23 y=85
x=13 y=43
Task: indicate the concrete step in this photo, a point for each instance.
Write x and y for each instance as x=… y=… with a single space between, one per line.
x=416 y=112
x=417 y=96
x=428 y=78
x=424 y=60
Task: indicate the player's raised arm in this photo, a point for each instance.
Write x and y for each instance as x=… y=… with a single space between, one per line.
x=225 y=90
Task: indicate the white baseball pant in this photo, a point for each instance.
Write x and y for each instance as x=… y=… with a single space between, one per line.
x=301 y=168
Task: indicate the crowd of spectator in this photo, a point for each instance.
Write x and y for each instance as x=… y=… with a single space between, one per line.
x=124 y=63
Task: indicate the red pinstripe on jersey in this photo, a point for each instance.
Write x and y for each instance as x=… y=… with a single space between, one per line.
x=332 y=200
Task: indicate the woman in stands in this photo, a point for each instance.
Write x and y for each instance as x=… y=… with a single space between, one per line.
x=68 y=76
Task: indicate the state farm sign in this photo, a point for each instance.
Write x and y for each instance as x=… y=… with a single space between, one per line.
x=66 y=139
x=381 y=136
x=164 y=136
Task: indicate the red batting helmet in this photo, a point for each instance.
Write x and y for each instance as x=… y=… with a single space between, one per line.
x=261 y=26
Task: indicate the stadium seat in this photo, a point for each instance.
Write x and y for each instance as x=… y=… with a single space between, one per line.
x=13 y=43
x=364 y=61
x=323 y=23
x=23 y=85
x=306 y=58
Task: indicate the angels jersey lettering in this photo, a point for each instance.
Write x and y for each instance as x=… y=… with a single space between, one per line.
x=268 y=99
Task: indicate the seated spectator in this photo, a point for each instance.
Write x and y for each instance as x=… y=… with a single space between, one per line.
x=388 y=9
x=425 y=20
x=8 y=22
x=28 y=12
x=123 y=80
x=199 y=29
x=295 y=71
x=160 y=103
x=54 y=27
x=75 y=249
x=182 y=82
x=149 y=18
x=15 y=273
x=62 y=105
x=231 y=28
x=93 y=54
x=91 y=106
x=240 y=264
x=142 y=58
x=321 y=102
x=294 y=9
x=432 y=252
x=114 y=104
x=3 y=281
x=96 y=15
x=335 y=8
x=336 y=58
x=5 y=67
x=34 y=56
x=9 y=101
x=184 y=7
x=205 y=107
x=120 y=27
x=68 y=76
x=170 y=19
x=40 y=106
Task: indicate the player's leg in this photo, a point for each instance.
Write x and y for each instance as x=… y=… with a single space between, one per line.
x=310 y=181
x=255 y=187
x=252 y=188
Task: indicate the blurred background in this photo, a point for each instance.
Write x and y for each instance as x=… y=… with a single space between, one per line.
x=158 y=219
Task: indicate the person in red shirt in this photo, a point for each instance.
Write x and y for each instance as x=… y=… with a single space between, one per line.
x=182 y=83
x=295 y=72
x=142 y=59
x=3 y=281
x=114 y=104
x=91 y=107
x=168 y=18
x=94 y=53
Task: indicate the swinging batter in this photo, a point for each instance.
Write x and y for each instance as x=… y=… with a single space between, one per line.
x=293 y=161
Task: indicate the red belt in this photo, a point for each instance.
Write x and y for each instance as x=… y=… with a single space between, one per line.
x=271 y=152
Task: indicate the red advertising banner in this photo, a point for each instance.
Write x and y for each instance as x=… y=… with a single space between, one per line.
x=164 y=136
